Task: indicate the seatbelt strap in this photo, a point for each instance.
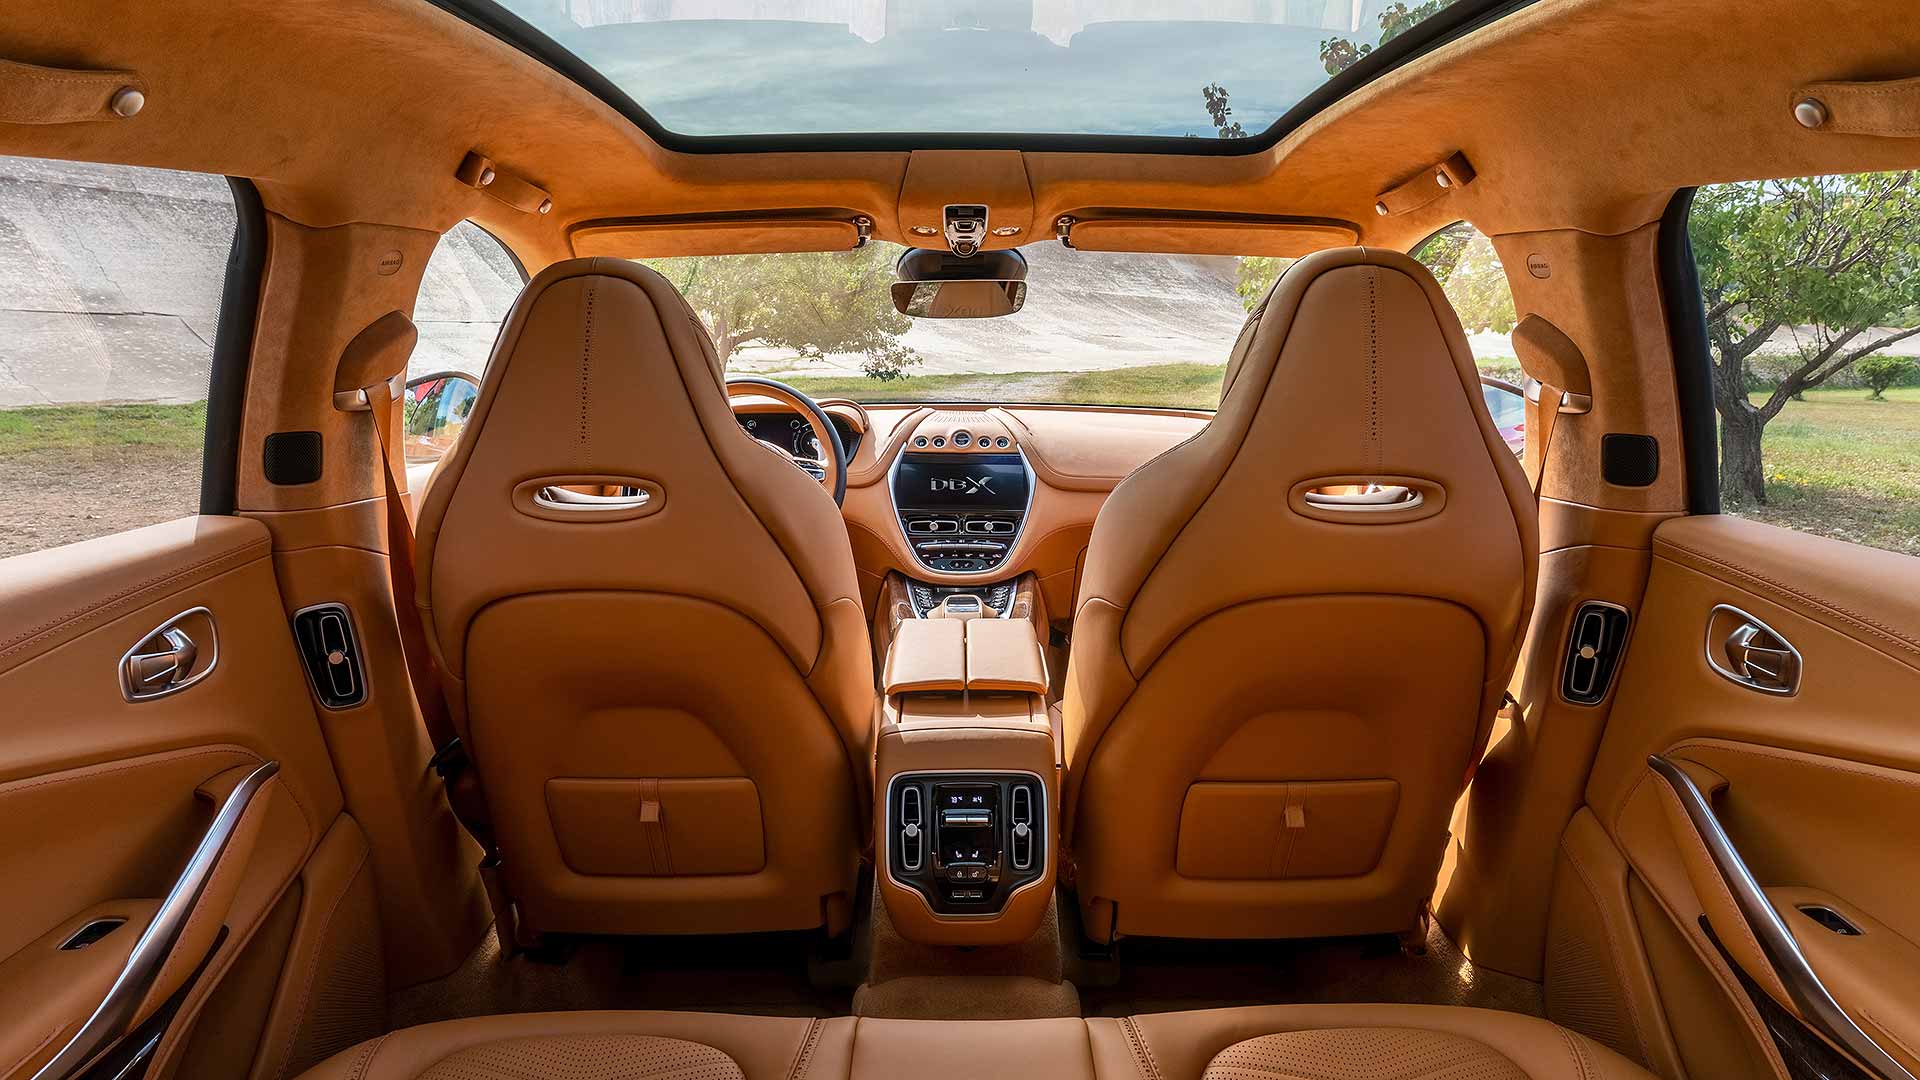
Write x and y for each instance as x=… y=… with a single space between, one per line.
x=1548 y=415
x=421 y=671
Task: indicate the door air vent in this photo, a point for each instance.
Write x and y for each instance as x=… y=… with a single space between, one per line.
x=331 y=652
x=1594 y=646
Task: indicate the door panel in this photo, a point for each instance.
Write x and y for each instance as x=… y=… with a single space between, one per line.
x=103 y=800
x=1818 y=791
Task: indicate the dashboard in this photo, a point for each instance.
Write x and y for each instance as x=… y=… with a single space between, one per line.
x=790 y=432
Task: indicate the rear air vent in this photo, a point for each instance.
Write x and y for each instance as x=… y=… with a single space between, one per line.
x=1021 y=833
x=913 y=837
x=1594 y=645
x=331 y=652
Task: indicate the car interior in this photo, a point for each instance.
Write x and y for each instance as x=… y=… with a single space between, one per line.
x=645 y=686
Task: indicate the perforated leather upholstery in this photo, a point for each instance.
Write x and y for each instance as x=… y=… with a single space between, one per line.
x=670 y=709
x=1271 y=706
x=1280 y=1042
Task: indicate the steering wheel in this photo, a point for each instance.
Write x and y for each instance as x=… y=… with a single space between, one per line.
x=825 y=435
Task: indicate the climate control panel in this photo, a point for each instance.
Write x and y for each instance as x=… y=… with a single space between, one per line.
x=966 y=840
x=961 y=513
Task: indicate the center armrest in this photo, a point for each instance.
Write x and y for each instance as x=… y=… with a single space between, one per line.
x=1003 y=654
x=928 y=655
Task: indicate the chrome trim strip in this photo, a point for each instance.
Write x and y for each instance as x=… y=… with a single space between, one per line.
x=559 y=498
x=1816 y=1006
x=115 y=1015
x=886 y=848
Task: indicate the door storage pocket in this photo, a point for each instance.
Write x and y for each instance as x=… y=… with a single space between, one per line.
x=1285 y=829
x=657 y=828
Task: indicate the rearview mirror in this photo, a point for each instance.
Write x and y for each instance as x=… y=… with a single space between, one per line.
x=941 y=285
x=959 y=299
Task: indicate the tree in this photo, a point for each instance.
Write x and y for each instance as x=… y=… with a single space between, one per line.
x=1339 y=54
x=1257 y=273
x=1883 y=372
x=814 y=302
x=1221 y=112
x=1833 y=259
x=1468 y=268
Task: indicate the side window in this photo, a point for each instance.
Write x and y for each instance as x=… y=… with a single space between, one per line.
x=110 y=286
x=1469 y=271
x=465 y=293
x=1811 y=287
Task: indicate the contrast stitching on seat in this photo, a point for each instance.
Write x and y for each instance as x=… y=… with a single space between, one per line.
x=1577 y=1052
x=586 y=377
x=1376 y=454
x=803 y=1057
x=364 y=1064
x=1142 y=1053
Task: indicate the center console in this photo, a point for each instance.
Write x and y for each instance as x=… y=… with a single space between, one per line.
x=961 y=512
x=969 y=773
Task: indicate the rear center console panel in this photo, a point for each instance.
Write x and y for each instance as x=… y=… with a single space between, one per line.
x=969 y=771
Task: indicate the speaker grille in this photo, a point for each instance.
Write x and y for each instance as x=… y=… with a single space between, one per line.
x=1629 y=460
x=292 y=457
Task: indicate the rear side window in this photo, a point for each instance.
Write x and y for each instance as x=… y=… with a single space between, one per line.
x=110 y=285
x=467 y=289
x=1811 y=287
x=1469 y=270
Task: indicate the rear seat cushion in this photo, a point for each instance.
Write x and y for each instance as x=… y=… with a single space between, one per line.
x=601 y=1046
x=1349 y=1042
x=1280 y=1042
x=1362 y=1054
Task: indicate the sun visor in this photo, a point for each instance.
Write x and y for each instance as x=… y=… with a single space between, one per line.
x=1199 y=234
x=756 y=234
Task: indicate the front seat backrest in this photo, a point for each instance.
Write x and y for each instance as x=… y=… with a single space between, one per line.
x=669 y=703
x=1271 y=705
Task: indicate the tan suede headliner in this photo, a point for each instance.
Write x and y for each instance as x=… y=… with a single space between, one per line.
x=1579 y=114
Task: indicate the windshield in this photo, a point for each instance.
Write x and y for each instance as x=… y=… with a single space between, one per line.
x=1071 y=67
x=1097 y=328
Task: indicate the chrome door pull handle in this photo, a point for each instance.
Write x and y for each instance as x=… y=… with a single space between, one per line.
x=1778 y=947
x=1752 y=653
x=158 y=670
x=168 y=659
x=118 y=1012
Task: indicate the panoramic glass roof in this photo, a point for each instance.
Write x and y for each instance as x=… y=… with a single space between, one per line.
x=1157 y=68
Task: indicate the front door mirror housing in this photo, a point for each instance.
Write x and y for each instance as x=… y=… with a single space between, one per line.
x=437 y=407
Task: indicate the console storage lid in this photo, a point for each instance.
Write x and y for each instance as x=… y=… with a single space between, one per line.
x=1003 y=654
x=927 y=655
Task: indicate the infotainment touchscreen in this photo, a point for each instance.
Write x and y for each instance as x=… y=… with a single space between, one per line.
x=960 y=482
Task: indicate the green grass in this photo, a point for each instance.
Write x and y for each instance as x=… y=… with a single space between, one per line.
x=1842 y=465
x=1195 y=386
x=70 y=428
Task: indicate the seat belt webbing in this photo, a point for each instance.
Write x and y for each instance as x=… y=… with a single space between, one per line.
x=421 y=671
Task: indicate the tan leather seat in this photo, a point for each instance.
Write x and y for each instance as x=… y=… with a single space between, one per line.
x=1280 y=1042
x=669 y=703
x=1271 y=705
